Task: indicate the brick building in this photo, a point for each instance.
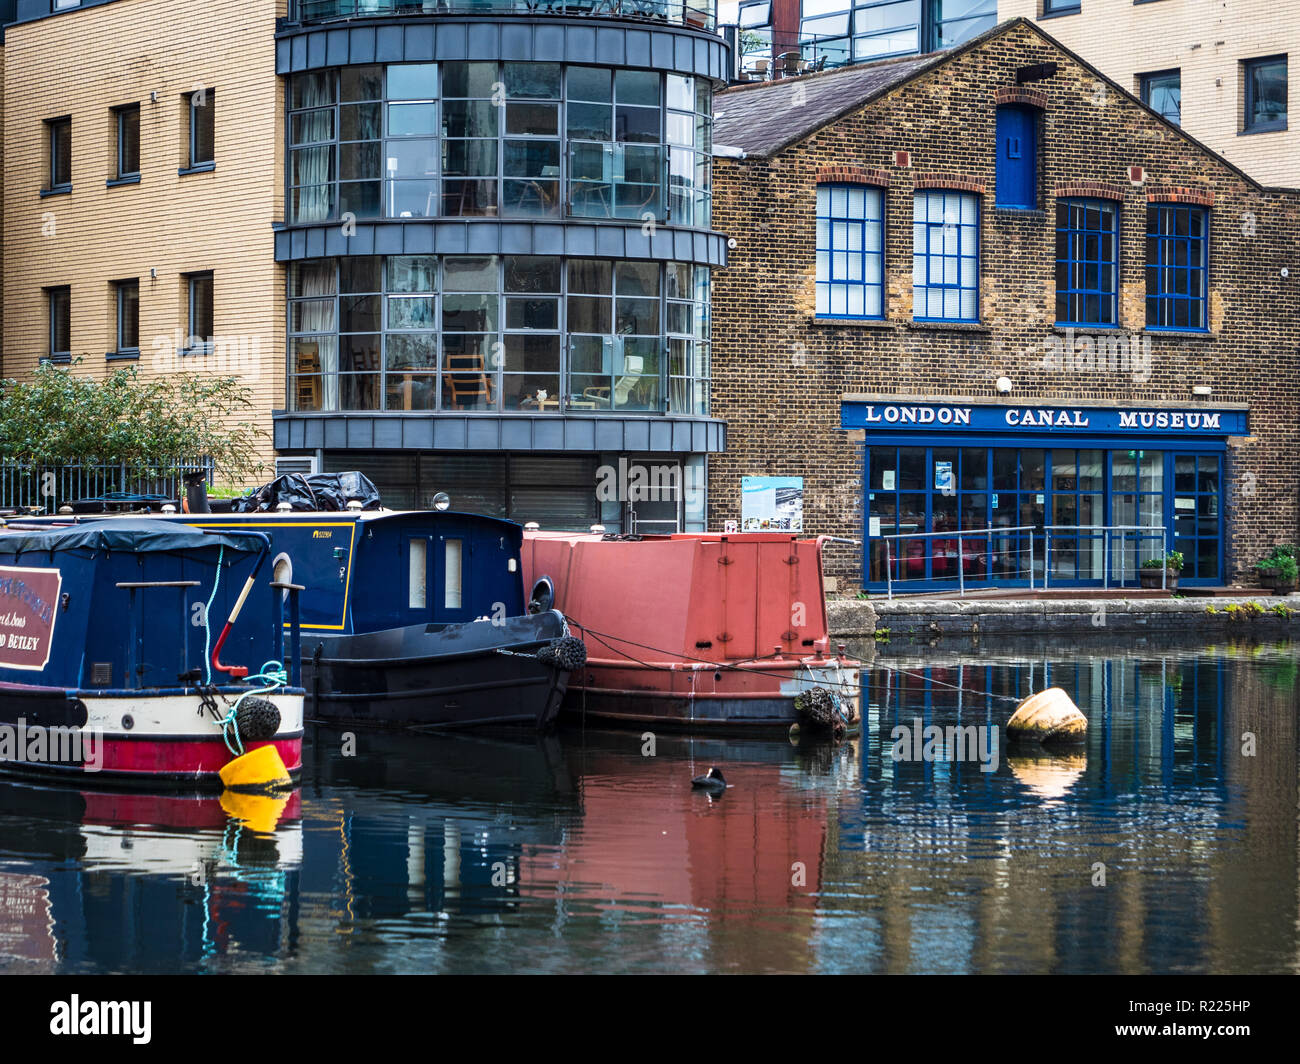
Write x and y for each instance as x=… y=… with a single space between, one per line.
x=1221 y=70
x=461 y=246
x=989 y=289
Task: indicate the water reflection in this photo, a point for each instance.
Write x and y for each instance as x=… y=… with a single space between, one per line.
x=581 y=852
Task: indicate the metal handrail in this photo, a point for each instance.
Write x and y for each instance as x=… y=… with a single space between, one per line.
x=1095 y=531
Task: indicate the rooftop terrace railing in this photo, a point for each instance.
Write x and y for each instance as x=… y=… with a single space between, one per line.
x=697 y=14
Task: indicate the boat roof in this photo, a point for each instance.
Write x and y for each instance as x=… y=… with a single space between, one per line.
x=134 y=535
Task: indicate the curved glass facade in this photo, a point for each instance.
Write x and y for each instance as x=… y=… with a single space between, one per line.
x=514 y=333
x=696 y=14
x=499 y=140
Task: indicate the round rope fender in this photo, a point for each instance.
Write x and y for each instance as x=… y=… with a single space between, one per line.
x=257 y=720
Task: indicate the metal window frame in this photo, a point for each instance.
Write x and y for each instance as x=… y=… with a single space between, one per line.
x=120 y=289
x=1072 y=261
x=930 y=227
x=191 y=279
x=209 y=107
x=52 y=293
x=119 y=113
x=1145 y=84
x=52 y=127
x=1161 y=302
x=566 y=145
x=498 y=373
x=1251 y=99
x=863 y=223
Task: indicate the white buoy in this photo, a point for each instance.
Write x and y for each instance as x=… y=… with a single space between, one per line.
x=1048 y=717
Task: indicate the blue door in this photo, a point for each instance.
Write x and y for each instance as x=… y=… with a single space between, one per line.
x=1017 y=131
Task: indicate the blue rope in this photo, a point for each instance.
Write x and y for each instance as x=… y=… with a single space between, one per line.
x=207 y=627
x=274 y=675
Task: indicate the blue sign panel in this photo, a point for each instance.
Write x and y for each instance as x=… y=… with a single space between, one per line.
x=1040 y=418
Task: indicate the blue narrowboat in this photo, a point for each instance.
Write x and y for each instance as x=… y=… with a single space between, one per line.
x=142 y=650
x=416 y=619
x=409 y=618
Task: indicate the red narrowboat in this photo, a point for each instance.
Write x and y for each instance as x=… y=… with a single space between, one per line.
x=697 y=630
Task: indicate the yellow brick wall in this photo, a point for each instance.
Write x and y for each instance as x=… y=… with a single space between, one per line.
x=85 y=62
x=1205 y=39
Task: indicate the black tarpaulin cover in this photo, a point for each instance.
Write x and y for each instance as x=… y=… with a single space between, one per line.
x=131 y=535
x=310 y=491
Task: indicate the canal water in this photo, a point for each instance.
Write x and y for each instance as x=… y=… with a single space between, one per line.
x=1168 y=844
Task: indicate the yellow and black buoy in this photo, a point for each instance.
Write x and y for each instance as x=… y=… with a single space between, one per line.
x=258 y=771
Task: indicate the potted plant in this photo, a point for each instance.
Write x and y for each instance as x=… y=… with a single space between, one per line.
x=1270 y=566
x=1150 y=575
x=1285 y=581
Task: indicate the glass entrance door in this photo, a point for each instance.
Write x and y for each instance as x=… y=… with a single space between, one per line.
x=1198 y=532
x=1137 y=485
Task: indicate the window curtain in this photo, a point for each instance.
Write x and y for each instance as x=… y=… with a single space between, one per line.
x=317 y=279
x=313 y=164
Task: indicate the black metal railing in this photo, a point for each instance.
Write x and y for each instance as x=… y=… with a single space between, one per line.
x=698 y=14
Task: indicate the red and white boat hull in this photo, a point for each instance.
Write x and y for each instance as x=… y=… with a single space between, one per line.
x=153 y=738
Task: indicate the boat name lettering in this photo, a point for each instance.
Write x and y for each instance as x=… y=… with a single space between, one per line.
x=321 y=533
x=12 y=587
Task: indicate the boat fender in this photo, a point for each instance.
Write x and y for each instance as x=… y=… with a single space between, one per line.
x=568 y=653
x=257 y=771
x=820 y=710
x=543 y=596
x=257 y=720
x=713 y=781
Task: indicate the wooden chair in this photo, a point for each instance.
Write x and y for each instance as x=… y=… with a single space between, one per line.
x=466 y=378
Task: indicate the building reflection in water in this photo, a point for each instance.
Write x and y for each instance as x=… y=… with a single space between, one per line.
x=578 y=852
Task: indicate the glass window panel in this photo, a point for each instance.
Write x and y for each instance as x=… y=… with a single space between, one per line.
x=412 y=119
x=359 y=121
x=468 y=118
x=637 y=87
x=363 y=83
x=359 y=273
x=533 y=80
x=360 y=198
x=412 y=312
x=359 y=161
x=412 y=351
x=590 y=276
x=592 y=84
x=412 y=273
x=412 y=81
x=534 y=119
x=468 y=80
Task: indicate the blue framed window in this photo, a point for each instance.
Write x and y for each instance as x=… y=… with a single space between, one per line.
x=850 y=241
x=1265 y=82
x=945 y=256
x=1017 y=160
x=1087 y=262
x=1177 y=266
x=1163 y=93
